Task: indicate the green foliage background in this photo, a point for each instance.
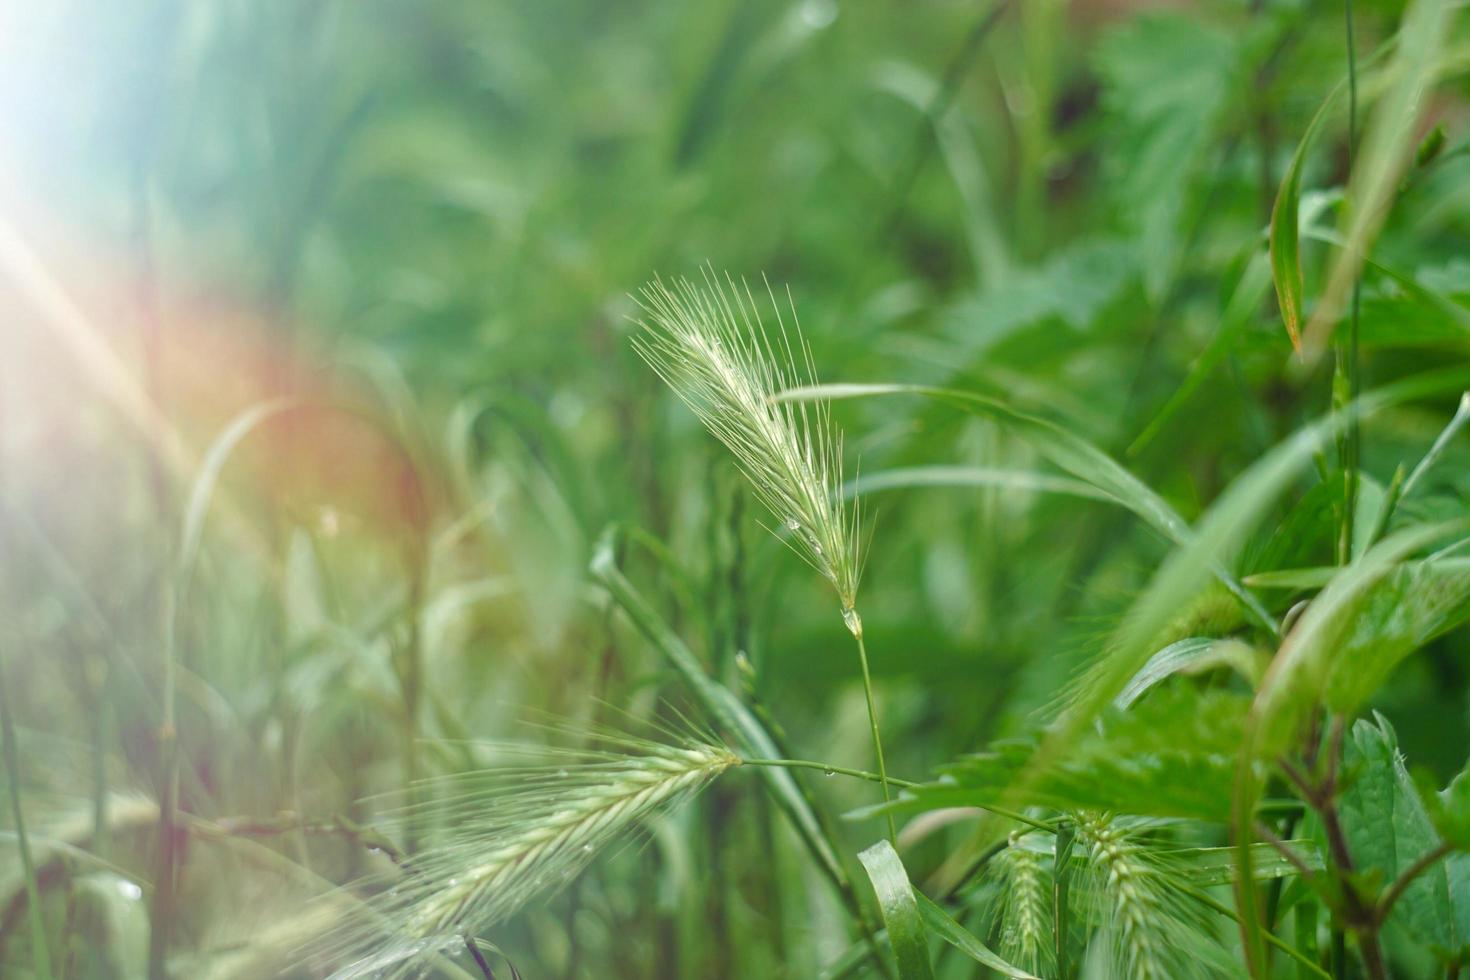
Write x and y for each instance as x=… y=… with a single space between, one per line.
x=434 y=214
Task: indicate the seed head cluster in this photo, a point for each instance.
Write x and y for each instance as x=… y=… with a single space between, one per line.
x=710 y=344
x=509 y=836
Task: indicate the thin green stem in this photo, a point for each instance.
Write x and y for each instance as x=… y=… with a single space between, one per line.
x=873 y=726
x=829 y=770
x=162 y=912
x=1348 y=367
x=41 y=954
x=1270 y=937
x=1401 y=884
x=874 y=777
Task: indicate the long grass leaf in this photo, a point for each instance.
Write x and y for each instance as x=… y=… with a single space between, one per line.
x=943 y=925
x=1387 y=148
x=1064 y=449
x=724 y=707
x=896 y=901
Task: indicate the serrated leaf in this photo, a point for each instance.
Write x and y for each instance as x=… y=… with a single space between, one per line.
x=900 y=909
x=1166 y=80
x=1388 y=829
x=1408 y=607
x=1171 y=755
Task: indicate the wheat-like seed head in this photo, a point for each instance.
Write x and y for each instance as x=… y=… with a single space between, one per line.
x=509 y=836
x=1023 y=873
x=710 y=345
x=1156 y=930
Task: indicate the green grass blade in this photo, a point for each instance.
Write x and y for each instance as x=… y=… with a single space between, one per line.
x=896 y=900
x=1285 y=232
x=721 y=703
x=1387 y=149
x=1244 y=302
x=943 y=925
x=40 y=950
x=913 y=477
x=1064 y=449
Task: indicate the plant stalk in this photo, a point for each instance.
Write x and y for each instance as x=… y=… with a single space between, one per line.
x=41 y=955
x=857 y=632
x=1347 y=353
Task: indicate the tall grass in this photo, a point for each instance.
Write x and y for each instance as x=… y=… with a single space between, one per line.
x=317 y=347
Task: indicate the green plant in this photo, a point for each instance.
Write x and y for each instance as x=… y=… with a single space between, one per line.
x=332 y=466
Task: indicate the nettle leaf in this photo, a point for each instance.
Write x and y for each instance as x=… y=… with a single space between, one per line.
x=1450 y=810
x=1166 y=82
x=1171 y=755
x=1408 y=607
x=1388 y=828
x=1072 y=287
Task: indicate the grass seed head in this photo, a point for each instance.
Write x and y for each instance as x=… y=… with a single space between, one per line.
x=1130 y=887
x=509 y=836
x=710 y=344
x=1024 y=914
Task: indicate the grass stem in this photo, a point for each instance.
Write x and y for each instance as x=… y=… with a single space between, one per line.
x=874 y=777
x=873 y=727
x=41 y=955
x=1348 y=360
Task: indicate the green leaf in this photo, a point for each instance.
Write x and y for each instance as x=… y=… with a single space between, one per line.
x=751 y=736
x=1388 y=828
x=1072 y=288
x=1167 y=79
x=1285 y=235
x=945 y=927
x=900 y=910
x=1450 y=810
x=1409 y=606
x=1387 y=148
x=1171 y=755
x=1192 y=655
x=1330 y=651
x=1205 y=866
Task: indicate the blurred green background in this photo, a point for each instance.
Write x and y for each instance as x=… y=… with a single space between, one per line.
x=422 y=221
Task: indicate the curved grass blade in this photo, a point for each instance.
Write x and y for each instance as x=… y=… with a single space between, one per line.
x=896 y=900
x=1188 y=656
x=1064 y=449
x=1388 y=147
x=910 y=477
x=1244 y=302
x=945 y=927
x=750 y=736
x=1285 y=232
